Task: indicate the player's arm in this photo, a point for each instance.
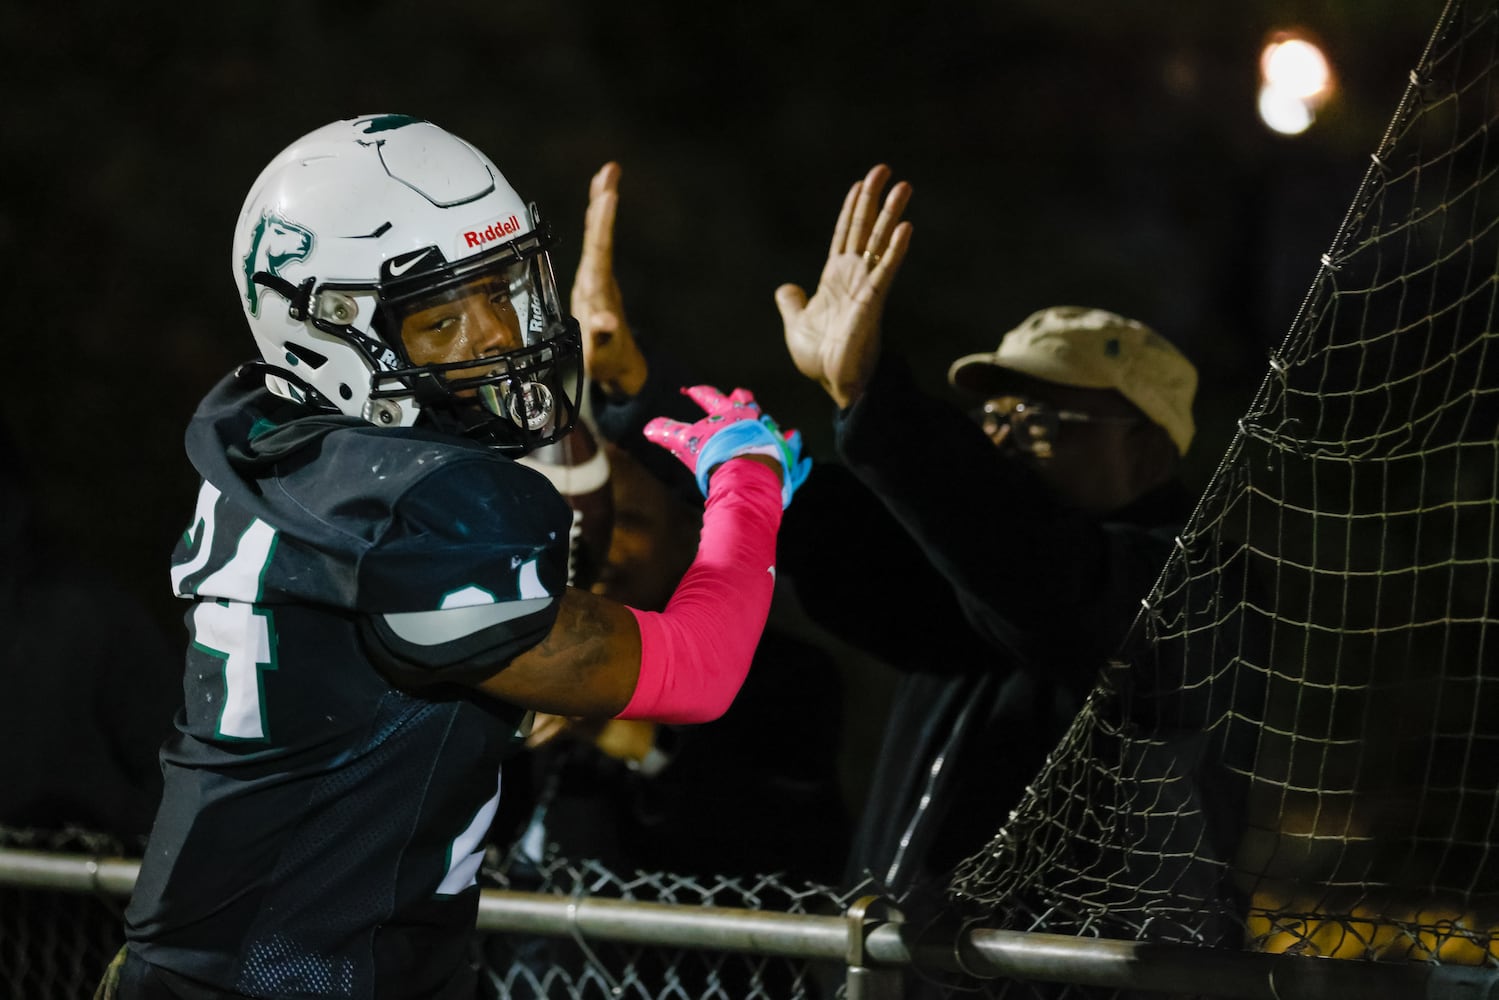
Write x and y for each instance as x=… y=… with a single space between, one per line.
x=588 y=664
x=685 y=663
x=582 y=655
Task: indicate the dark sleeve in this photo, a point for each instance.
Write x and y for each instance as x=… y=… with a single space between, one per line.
x=469 y=574
x=857 y=573
x=465 y=653
x=1050 y=584
x=622 y=420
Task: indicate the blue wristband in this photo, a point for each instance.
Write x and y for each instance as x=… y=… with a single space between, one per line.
x=755 y=437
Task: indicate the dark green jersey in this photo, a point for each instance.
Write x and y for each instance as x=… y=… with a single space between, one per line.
x=321 y=827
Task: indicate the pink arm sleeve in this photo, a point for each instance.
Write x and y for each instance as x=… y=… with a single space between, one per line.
x=696 y=653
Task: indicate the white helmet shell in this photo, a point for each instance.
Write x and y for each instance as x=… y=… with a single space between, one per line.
x=362 y=214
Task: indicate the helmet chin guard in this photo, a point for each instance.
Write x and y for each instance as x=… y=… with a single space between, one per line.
x=530 y=402
x=365 y=230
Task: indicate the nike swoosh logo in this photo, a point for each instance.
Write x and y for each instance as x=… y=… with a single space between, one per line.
x=396 y=270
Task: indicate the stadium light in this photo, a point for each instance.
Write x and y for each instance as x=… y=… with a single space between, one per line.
x=1295 y=81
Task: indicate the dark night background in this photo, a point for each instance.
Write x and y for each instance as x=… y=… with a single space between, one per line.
x=1086 y=152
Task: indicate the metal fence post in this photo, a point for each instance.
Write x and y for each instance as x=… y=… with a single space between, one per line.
x=864 y=982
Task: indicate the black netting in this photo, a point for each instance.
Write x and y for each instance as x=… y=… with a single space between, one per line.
x=1295 y=753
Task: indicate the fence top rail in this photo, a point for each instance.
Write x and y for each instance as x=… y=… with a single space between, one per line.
x=977 y=952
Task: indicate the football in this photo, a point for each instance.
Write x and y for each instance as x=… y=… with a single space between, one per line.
x=579 y=468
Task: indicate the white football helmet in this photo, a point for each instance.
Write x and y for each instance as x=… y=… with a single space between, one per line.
x=372 y=226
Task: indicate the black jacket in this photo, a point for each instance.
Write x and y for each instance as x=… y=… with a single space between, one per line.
x=1045 y=594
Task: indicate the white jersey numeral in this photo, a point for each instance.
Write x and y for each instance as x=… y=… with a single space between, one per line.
x=202 y=527
x=240 y=635
x=232 y=628
x=467 y=849
x=240 y=577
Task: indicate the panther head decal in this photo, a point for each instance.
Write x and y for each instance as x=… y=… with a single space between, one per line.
x=274 y=243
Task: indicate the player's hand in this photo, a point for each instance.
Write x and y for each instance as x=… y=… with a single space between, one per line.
x=834 y=339
x=547 y=728
x=611 y=357
x=734 y=427
x=627 y=740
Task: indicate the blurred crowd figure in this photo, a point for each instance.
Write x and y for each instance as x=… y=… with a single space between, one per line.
x=993 y=550
x=1046 y=497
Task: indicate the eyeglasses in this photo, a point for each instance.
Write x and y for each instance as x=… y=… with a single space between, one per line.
x=1033 y=425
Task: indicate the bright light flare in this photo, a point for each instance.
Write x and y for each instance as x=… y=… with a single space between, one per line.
x=1284 y=112
x=1295 y=81
x=1295 y=66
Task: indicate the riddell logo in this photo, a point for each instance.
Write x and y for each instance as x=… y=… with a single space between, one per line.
x=492 y=233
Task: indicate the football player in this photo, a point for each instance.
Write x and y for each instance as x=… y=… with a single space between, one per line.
x=378 y=589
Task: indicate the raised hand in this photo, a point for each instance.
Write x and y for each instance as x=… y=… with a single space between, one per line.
x=834 y=339
x=627 y=740
x=734 y=427
x=611 y=357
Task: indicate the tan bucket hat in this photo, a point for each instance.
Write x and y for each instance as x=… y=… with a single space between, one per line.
x=1093 y=349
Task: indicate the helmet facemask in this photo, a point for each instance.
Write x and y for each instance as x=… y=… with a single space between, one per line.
x=509 y=374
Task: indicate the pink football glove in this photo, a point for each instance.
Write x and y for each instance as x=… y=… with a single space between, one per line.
x=686 y=440
x=733 y=427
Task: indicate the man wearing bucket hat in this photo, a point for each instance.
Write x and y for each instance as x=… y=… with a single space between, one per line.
x=1049 y=506
x=1069 y=371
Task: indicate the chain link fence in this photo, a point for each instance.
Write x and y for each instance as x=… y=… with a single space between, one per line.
x=565 y=929
x=526 y=966
x=60 y=925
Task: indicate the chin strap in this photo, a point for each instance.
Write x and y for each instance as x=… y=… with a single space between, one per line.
x=298 y=297
x=299 y=307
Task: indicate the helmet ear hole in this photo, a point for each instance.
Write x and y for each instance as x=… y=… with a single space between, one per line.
x=344 y=391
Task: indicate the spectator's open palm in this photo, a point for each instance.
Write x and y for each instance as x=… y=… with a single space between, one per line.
x=611 y=356
x=834 y=338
